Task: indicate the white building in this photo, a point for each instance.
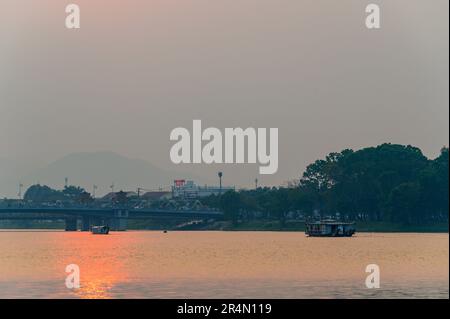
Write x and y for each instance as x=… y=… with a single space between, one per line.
x=188 y=189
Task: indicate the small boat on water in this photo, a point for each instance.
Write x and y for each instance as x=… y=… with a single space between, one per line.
x=329 y=228
x=100 y=230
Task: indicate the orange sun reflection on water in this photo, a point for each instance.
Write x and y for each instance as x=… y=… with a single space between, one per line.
x=101 y=267
x=227 y=264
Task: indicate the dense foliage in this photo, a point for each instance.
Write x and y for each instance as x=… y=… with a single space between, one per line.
x=43 y=193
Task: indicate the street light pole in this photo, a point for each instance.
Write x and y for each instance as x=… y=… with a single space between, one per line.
x=220 y=174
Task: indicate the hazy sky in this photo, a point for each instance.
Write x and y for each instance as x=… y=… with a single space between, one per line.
x=137 y=69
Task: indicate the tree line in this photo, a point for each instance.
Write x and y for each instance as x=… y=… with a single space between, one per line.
x=43 y=193
x=392 y=183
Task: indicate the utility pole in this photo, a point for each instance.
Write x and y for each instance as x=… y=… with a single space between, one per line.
x=66 y=182
x=20 y=190
x=143 y=190
x=256 y=183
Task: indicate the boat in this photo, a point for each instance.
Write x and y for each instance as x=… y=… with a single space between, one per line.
x=100 y=230
x=330 y=228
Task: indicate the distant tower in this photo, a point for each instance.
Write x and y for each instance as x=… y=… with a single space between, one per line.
x=66 y=182
x=256 y=183
x=220 y=174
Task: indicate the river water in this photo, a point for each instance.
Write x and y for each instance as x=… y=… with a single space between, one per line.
x=153 y=264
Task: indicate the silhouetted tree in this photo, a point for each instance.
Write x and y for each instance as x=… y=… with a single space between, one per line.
x=231 y=203
x=38 y=193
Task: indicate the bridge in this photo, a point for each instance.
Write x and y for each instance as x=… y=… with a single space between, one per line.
x=116 y=218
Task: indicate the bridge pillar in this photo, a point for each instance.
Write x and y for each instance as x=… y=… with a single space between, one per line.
x=71 y=224
x=120 y=220
x=85 y=223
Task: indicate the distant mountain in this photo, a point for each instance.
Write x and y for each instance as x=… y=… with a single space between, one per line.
x=99 y=168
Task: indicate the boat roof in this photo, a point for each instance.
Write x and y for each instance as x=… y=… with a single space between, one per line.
x=330 y=222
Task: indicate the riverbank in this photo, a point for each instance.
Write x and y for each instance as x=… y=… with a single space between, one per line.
x=256 y=225
x=274 y=225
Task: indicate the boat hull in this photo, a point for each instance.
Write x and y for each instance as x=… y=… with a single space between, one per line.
x=329 y=235
x=100 y=230
x=330 y=229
